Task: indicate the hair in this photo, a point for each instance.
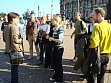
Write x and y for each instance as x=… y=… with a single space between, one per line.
x=12 y=15
x=100 y=11
x=44 y=18
x=58 y=18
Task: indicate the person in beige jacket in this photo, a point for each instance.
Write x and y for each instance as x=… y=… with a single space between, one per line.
x=14 y=42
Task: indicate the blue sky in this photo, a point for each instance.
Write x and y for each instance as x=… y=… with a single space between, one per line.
x=20 y=6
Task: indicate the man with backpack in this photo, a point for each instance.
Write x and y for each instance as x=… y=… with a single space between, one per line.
x=79 y=29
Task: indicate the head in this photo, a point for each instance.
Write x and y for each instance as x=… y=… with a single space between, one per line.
x=91 y=17
x=44 y=19
x=5 y=18
x=98 y=14
x=32 y=16
x=57 y=20
x=48 y=17
x=13 y=18
x=78 y=15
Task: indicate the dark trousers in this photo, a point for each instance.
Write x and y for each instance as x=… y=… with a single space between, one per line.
x=49 y=55
x=14 y=73
x=76 y=39
x=57 y=58
x=100 y=77
x=42 y=45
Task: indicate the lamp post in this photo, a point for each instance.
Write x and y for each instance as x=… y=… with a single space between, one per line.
x=77 y=5
x=63 y=11
x=51 y=9
x=38 y=10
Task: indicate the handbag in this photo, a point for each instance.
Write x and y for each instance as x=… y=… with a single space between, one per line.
x=16 y=57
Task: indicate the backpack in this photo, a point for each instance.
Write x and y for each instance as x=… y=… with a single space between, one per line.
x=81 y=52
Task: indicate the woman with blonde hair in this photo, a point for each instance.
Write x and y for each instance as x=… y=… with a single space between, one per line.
x=43 y=31
x=57 y=39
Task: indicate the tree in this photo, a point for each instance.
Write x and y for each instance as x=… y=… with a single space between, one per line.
x=2 y=14
x=26 y=14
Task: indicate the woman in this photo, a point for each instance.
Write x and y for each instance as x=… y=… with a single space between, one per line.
x=57 y=40
x=15 y=42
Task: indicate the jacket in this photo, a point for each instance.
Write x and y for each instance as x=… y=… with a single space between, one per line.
x=31 y=28
x=12 y=36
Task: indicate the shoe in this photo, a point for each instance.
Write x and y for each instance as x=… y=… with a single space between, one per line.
x=29 y=58
x=51 y=79
x=37 y=58
x=40 y=63
x=6 y=53
x=57 y=82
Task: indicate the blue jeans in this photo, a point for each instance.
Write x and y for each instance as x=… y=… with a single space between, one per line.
x=14 y=73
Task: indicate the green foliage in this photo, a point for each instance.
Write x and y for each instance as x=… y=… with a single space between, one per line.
x=27 y=13
x=2 y=14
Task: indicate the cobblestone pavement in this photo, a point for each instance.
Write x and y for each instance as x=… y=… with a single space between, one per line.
x=31 y=72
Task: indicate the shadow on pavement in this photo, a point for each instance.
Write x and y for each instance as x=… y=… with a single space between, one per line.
x=31 y=72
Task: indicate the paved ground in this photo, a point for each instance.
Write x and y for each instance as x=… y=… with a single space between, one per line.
x=30 y=72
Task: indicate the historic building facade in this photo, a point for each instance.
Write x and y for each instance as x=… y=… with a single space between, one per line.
x=69 y=7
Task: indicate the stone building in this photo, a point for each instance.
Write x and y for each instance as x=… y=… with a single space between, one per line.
x=69 y=7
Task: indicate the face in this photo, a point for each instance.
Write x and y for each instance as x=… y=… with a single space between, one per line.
x=91 y=18
x=16 y=20
x=95 y=16
x=32 y=16
x=48 y=17
x=77 y=15
x=54 y=22
x=5 y=18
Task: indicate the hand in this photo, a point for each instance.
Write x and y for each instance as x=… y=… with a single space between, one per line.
x=51 y=39
x=26 y=38
x=71 y=36
x=47 y=36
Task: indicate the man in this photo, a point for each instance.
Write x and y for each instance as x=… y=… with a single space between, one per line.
x=4 y=25
x=79 y=28
x=49 y=46
x=100 y=37
x=31 y=34
x=92 y=24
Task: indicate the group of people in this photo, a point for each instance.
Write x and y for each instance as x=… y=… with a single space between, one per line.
x=99 y=43
x=48 y=35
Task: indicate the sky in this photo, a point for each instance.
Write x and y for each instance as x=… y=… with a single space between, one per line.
x=20 y=6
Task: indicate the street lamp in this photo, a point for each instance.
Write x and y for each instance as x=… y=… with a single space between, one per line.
x=38 y=10
x=77 y=5
x=63 y=11
x=51 y=9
